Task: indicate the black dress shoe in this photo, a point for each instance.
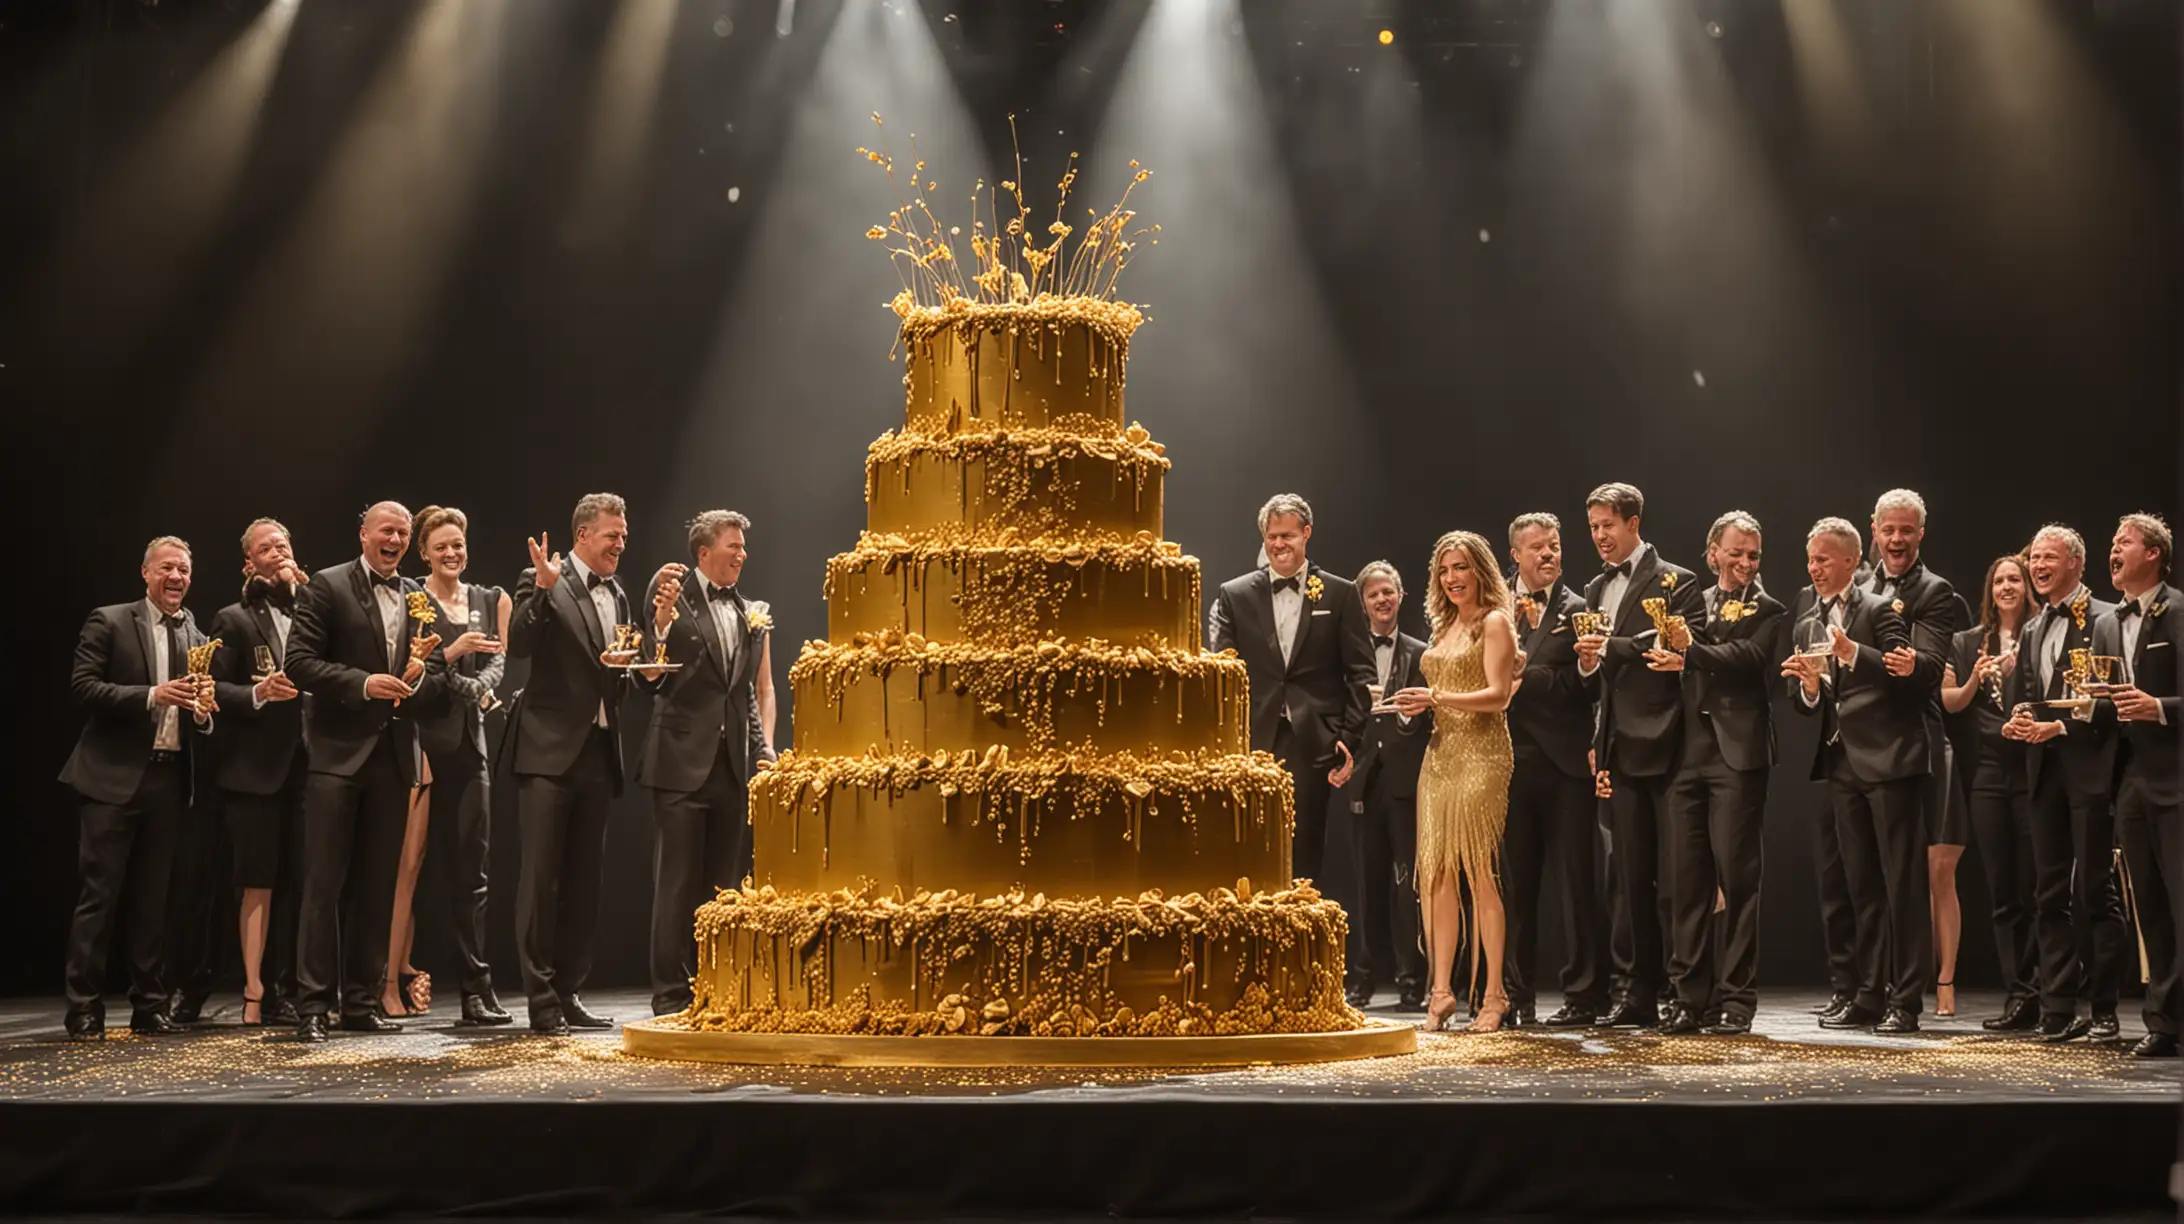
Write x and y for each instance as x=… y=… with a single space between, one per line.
x=2018 y=1015
x=152 y=1022
x=2059 y=1027
x=1360 y=997
x=282 y=1012
x=1526 y=1016
x=1836 y=1002
x=548 y=1022
x=1681 y=1021
x=483 y=1011
x=2105 y=1027
x=675 y=1005
x=1410 y=1001
x=581 y=1017
x=85 y=1025
x=189 y=1007
x=369 y=1022
x=1571 y=1016
x=1898 y=1020
x=1851 y=1017
x=1729 y=1025
x=2155 y=1045
x=1630 y=1015
x=311 y=1030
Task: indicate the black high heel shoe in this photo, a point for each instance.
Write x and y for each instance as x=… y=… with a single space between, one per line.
x=258 y=1003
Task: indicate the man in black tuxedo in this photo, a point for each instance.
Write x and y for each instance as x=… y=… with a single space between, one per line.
x=133 y=771
x=709 y=734
x=355 y=650
x=1640 y=730
x=1873 y=756
x=264 y=766
x=2070 y=762
x=2142 y=633
x=1301 y=633
x=1383 y=806
x=568 y=754
x=1717 y=804
x=1551 y=803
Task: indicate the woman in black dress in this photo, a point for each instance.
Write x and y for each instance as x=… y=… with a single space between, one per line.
x=450 y=811
x=1980 y=685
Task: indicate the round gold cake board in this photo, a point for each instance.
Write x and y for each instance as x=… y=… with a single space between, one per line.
x=1378 y=1039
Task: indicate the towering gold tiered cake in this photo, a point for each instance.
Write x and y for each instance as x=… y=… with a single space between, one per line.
x=1021 y=801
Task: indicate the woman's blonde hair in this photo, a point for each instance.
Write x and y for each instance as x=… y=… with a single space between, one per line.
x=1493 y=589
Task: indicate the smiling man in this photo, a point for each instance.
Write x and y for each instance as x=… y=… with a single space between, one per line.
x=2149 y=806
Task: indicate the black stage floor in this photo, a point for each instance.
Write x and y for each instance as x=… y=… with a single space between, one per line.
x=1791 y=1122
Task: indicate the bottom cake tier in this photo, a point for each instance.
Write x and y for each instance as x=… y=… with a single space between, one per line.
x=1233 y=962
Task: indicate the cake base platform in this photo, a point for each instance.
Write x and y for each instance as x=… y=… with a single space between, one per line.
x=652 y=1039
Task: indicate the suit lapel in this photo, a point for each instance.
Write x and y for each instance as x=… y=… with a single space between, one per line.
x=700 y=611
x=1262 y=595
x=145 y=628
x=360 y=585
x=1304 y=617
x=577 y=603
x=1642 y=578
x=262 y=617
x=1550 y=612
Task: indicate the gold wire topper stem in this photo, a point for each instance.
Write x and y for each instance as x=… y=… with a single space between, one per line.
x=1663 y=624
x=200 y=672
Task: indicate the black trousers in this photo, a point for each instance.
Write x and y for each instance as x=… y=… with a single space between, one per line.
x=564 y=826
x=701 y=844
x=125 y=856
x=1309 y=846
x=1838 y=917
x=1715 y=820
x=1638 y=919
x=2076 y=918
x=2002 y=824
x=199 y=908
x=275 y=823
x=352 y=850
x=458 y=851
x=2152 y=833
x=1881 y=827
x=1553 y=814
x=1384 y=846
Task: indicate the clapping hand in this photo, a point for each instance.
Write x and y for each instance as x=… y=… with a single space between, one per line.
x=545 y=566
x=1900 y=661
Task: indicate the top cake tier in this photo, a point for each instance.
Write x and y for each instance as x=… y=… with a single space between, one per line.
x=1050 y=364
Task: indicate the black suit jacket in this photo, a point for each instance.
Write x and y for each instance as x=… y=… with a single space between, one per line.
x=1551 y=715
x=1322 y=687
x=1881 y=718
x=335 y=644
x=1641 y=710
x=2149 y=749
x=1932 y=612
x=112 y=681
x=257 y=746
x=458 y=725
x=707 y=703
x=1398 y=749
x=558 y=630
x=1729 y=677
x=2086 y=750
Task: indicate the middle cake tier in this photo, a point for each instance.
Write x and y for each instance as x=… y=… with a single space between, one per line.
x=1038 y=482
x=1067 y=824
x=1008 y=593
x=892 y=693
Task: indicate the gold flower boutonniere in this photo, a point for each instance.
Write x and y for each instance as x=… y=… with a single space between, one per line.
x=1668 y=581
x=2157 y=610
x=1529 y=608
x=2077 y=608
x=1314 y=588
x=1734 y=610
x=1896 y=607
x=758 y=617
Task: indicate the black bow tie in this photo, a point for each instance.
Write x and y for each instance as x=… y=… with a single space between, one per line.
x=170 y=621
x=2127 y=608
x=592 y=582
x=2056 y=611
x=1616 y=571
x=723 y=594
x=260 y=592
x=1286 y=584
x=1383 y=639
x=392 y=582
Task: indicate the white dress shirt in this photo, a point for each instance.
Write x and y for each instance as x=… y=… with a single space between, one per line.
x=2132 y=625
x=602 y=602
x=281 y=622
x=2054 y=631
x=727 y=619
x=1288 y=610
x=391 y=611
x=167 y=735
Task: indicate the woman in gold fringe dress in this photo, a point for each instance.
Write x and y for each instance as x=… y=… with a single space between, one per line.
x=1470 y=667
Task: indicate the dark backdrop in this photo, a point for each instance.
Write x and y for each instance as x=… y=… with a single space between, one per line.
x=285 y=259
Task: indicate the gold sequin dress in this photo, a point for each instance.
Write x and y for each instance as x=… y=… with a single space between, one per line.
x=1463 y=787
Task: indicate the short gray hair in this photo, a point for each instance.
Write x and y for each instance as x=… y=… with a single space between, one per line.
x=1379 y=569
x=2056 y=531
x=159 y=542
x=2154 y=533
x=1841 y=529
x=1285 y=503
x=1738 y=519
x=705 y=529
x=1525 y=522
x=1900 y=499
x=590 y=506
x=256 y=523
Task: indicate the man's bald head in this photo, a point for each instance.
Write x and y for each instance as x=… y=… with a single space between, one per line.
x=385 y=536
